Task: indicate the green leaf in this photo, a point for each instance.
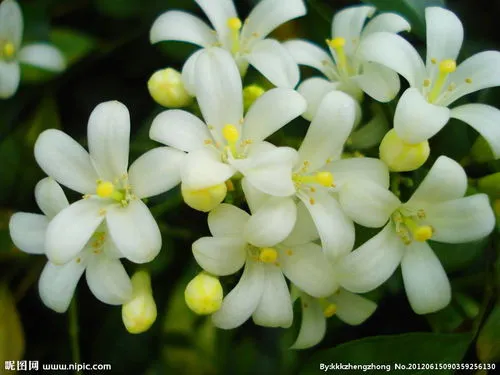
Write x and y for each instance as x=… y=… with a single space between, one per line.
x=488 y=342
x=73 y=44
x=412 y=10
x=457 y=256
x=405 y=349
x=11 y=159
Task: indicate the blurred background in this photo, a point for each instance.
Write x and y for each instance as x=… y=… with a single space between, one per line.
x=106 y=43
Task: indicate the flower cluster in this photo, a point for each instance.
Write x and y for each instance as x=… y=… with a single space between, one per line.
x=293 y=236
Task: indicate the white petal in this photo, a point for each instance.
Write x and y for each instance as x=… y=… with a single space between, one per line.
x=351 y=308
x=156 y=171
x=275 y=307
x=10 y=75
x=348 y=24
x=307 y=53
x=425 y=280
x=179 y=129
x=269 y=14
x=395 y=53
x=108 y=280
x=367 y=203
x=314 y=90
x=378 y=81
x=189 y=73
x=28 y=232
x=219 y=12
x=254 y=197
x=269 y=171
x=416 y=120
x=227 y=220
x=329 y=130
x=11 y=22
x=307 y=267
x=313 y=326
x=44 y=56
x=372 y=263
x=63 y=159
x=445 y=34
x=134 y=231
x=446 y=180
x=58 y=283
x=272 y=111
x=335 y=229
x=109 y=137
x=389 y=22
x=202 y=168
x=304 y=230
x=181 y=26
x=481 y=69
x=50 y=197
x=275 y=63
x=345 y=170
x=461 y=220
x=70 y=229
x=242 y=301
x=484 y=119
x=272 y=223
x=220 y=256
x=218 y=89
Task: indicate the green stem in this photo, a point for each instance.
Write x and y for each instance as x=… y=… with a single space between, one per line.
x=74 y=333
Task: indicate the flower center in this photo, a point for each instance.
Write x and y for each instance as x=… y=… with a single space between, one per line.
x=409 y=227
x=114 y=191
x=320 y=178
x=337 y=44
x=7 y=50
x=234 y=24
x=268 y=255
x=445 y=68
x=329 y=309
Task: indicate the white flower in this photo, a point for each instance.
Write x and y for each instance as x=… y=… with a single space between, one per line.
x=245 y=41
x=345 y=69
x=269 y=244
x=436 y=211
x=106 y=277
x=348 y=307
x=423 y=110
x=111 y=193
x=42 y=55
x=227 y=143
x=324 y=182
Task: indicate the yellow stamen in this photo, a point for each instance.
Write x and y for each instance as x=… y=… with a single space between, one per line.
x=427 y=82
x=324 y=179
x=330 y=310
x=268 y=255
x=445 y=68
x=468 y=80
x=422 y=233
x=234 y=25
x=338 y=45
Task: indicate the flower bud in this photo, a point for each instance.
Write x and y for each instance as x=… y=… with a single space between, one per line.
x=139 y=313
x=167 y=89
x=204 y=200
x=490 y=185
x=251 y=94
x=401 y=156
x=204 y=294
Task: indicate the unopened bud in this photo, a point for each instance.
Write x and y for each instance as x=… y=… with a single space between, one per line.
x=139 y=313
x=204 y=294
x=204 y=200
x=401 y=156
x=490 y=185
x=251 y=94
x=167 y=89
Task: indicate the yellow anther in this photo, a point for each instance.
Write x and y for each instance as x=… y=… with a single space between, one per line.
x=105 y=189
x=234 y=23
x=423 y=233
x=8 y=50
x=204 y=294
x=324 y=178
x=289 y=252
x=330 y=310
x=140 y=312
x=447 y=66
x=433 y=61
x=268 y=255
x=468 y=80
x=336 y=42
x=230 y=133
x=312 y=201
x=427 y=82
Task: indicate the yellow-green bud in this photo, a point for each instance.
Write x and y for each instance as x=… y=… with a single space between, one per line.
x=139 y=313
x=490 y=185
x=401 y=156
x=204 y=200
x=167 y=89
x=251 y=94
x=204 y=294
